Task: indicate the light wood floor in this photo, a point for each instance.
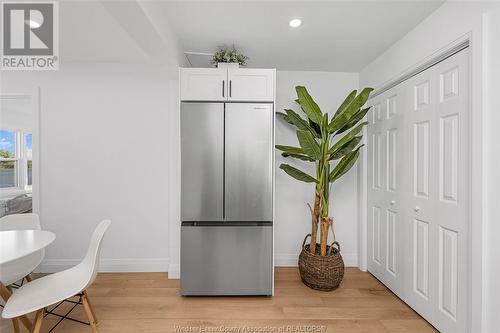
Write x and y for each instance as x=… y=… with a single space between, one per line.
x=149 y=302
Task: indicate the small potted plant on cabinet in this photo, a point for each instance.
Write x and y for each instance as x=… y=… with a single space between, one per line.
x=228 y=57
x=325 y=142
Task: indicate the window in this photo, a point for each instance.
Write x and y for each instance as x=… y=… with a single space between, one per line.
x=16 y=159
x=28 y=153
x=9 y=161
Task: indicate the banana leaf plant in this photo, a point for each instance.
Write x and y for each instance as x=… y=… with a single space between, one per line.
x=332 y=144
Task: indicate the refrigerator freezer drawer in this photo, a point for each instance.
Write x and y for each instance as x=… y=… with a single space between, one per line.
x=226 y=258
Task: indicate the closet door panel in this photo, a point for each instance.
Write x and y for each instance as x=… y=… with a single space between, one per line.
x=452 y=213
x=384 y=218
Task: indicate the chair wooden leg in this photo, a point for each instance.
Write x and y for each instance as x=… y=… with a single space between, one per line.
x=37 y=324
x=90 y=312
x=15 y=325
x=5 y=293
x=90 y=306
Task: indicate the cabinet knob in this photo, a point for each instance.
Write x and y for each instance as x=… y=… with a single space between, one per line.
x=393 y=202
x=417 y=208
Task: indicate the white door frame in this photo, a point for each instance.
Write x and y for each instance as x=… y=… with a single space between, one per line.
x=475 y=169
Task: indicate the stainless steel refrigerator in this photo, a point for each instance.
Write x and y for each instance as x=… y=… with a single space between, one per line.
x=227 y=198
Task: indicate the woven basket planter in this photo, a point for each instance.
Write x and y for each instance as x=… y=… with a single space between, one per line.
x=321 y=273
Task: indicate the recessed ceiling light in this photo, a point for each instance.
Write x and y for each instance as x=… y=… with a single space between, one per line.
x=295 y=23
x=33 y=24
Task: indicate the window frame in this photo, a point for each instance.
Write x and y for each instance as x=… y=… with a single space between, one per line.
x=25 y=160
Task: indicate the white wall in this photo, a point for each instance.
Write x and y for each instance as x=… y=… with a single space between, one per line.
x=453 y=21
x=448 y=23
x=16 y=113
x=104 y=154
x=293 y=219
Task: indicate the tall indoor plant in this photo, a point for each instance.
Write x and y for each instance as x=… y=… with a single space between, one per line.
x=325 y=141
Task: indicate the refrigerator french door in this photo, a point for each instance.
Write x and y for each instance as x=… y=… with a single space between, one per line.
x=226 y=199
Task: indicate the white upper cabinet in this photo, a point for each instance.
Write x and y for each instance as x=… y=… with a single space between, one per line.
x=247 y=84
x=203 y=84
x=221 y=84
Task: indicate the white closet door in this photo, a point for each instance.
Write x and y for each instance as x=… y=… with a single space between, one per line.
x=431 y=197
x=385 y=181
x=437 y=206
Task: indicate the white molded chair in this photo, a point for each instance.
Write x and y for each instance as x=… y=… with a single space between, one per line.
x=57 y=287
x=18 y=269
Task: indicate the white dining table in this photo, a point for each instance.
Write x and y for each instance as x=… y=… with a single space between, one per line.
x=16 y=244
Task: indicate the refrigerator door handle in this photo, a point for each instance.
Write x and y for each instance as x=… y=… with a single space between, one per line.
x=230 y=88
x=223 y=87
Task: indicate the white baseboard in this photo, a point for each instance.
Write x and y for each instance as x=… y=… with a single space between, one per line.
x=291 y=259
x=174 y=271
x=108 y=265
x=162 y=264
x=286 y=260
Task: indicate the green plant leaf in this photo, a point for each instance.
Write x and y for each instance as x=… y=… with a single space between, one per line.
x=285 y=117
x=354 y=120
x=344 y=165
x=290 y=149
x=309 y=106
x=324 y=126
x=316 y=128
x=295 y=119
x=343 y=117
x=299 y=156
x=346 y=148
x=355 y=131
x=309 y=145
x=295 y=152
x=297 y=174
x=346 y=102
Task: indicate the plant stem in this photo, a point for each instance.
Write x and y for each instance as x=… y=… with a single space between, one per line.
x=325 y=201
x=324 y=235
x=314 y=222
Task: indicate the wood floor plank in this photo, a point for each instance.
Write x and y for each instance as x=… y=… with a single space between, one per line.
x=151 y=303
x=364 y=302
x=353 y=313
x=407 y=326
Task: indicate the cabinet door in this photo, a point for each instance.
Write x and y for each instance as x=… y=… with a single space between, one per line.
x=251 y=84
x=248 y=162
x=203 y=84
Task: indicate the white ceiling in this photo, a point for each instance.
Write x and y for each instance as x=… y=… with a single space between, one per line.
x=334 y=36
